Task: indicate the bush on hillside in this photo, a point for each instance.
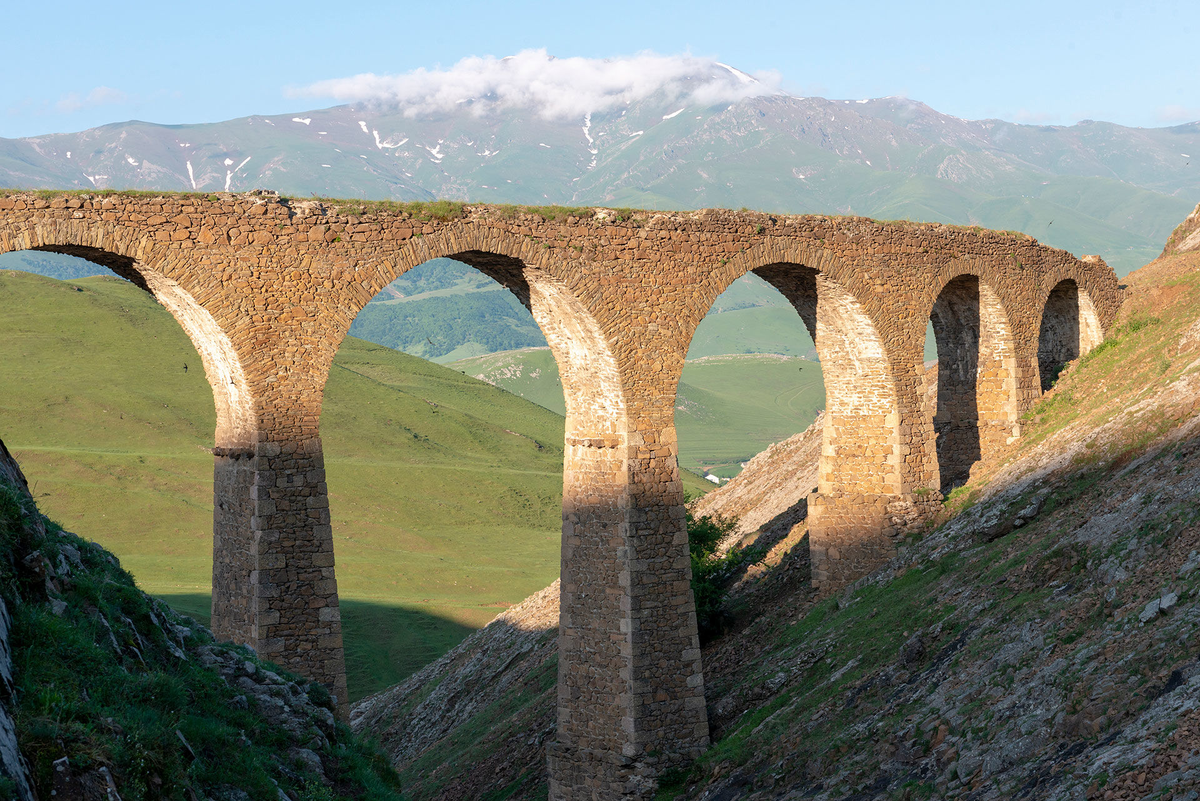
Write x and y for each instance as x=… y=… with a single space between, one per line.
x=709 y=574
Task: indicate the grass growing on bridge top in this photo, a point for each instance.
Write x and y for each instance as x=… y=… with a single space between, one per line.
x=444 y=210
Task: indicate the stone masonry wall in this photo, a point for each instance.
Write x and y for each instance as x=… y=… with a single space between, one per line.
x=267 y=289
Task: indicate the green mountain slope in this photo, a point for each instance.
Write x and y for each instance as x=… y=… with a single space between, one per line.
x=1090 y=187
x=111 y=692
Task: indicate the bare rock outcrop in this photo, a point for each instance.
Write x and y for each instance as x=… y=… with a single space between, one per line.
x=1186 y=237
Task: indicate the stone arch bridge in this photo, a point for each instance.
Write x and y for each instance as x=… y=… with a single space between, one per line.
x=267 y=289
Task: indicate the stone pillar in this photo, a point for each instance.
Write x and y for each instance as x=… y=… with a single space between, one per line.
x=273 y=573
x=630 y=686
x=999 y=404
x=848 y=537
x=865 y=451
x=234 y=473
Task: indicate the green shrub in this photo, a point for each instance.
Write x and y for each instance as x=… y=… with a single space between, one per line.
x=709 y=576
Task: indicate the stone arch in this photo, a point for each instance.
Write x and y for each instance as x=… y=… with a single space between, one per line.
x=587 y=365
x=233 y=400
x=597 y=496
x=975 y=407
x=860 y=452
x=591 y=379
x=863 y=472
x=1069 y=329
x=232 y=395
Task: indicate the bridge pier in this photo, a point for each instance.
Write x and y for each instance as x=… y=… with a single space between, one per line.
x=273 y=574
x=630 y=683
x=848 y=536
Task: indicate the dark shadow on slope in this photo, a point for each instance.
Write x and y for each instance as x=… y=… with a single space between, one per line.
x=384 y=644
x=476 y=725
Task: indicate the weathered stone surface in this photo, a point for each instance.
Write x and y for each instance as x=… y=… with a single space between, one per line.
x=13 y=766
x=267 y=290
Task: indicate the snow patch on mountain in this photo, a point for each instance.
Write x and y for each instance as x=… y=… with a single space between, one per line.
x=230 y=173
x=388 y=143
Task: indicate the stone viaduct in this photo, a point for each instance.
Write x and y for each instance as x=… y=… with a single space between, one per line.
x=267 y=289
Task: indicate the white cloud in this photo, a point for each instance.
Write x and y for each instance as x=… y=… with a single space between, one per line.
x=1179 y=114
x=553 y=87
x=100 y=96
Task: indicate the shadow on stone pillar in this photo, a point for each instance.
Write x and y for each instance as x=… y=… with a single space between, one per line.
x=848 y=537
x=273 y=569
x=630 y=684
x=233 y=544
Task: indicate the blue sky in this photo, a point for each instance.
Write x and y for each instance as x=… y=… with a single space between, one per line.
x=75 y=65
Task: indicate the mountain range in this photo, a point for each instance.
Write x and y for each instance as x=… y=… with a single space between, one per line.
x=1090 y=187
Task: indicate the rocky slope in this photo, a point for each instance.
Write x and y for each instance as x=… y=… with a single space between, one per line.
x=770 y=495
x=1037 y=641
x=1185 y=238
x=478 y=719
x=106 y=693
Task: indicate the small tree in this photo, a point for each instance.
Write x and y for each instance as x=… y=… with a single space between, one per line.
x=708 y=584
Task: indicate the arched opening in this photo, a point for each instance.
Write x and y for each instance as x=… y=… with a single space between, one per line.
x=861 y=468
x=854 y=461
x=1070 y=328
x=750 y=379
x=974 y=408
x=860 y=452
x=449 y=497
x=115 y=410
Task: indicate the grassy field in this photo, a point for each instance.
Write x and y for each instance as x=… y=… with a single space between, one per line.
x=445 y=492
x=731 y=407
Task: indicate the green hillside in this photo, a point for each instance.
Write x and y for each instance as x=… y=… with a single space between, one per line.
x=441 y=515
x=530 y=373
x=728 y=408
x=108 y=687
x=765 y=329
